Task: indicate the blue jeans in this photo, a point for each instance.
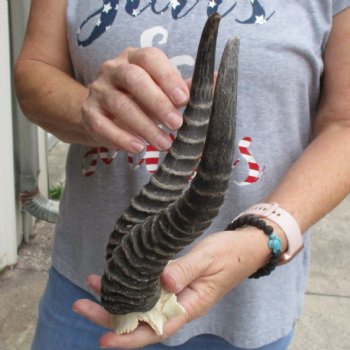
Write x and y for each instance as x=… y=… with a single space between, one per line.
x=59 y=328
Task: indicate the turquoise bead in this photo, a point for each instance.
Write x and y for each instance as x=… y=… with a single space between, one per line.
x=274 y=243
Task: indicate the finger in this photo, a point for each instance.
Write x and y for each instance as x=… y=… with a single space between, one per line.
x=148 y=94
x=94 y=282
x=127 y=115
x=142 y=336
x=93 y=312
x=106 y=133
x=159 y=67
x=180 y=273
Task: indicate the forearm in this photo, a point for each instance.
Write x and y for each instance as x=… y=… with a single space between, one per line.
x=319 y=180
x=51 y=99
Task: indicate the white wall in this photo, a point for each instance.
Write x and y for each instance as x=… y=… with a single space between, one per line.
x=8 y=234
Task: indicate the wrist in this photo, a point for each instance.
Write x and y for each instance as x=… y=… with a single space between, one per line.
x=258 y=240
x=274 y=243
x=284 y=223
x=277 y=230
x=252 y=246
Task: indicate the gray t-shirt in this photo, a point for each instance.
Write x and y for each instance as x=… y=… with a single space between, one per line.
x=279 y=79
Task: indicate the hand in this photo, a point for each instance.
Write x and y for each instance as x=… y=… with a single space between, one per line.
x=132 y=95
x=200 y=279
x=142 y=336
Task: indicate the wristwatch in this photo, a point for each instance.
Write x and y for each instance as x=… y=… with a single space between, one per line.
x=286 y=222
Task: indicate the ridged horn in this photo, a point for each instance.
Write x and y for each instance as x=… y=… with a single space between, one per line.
x=131 y=282
x=167 y=184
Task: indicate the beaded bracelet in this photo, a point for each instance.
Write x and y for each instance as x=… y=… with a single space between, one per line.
x=274 y=242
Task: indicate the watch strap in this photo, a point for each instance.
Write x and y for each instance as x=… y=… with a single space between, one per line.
x=287 y=223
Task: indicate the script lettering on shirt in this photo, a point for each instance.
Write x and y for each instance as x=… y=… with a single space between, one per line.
x=150 y=159
x=105 y=16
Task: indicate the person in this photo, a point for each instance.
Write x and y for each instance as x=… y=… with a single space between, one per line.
x=104 y=76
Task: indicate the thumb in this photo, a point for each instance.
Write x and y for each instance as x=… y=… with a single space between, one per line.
x=181 y=272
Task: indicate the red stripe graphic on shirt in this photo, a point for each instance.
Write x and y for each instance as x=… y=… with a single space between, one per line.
x=150 y=158
x=254 y=172
x=91 y=158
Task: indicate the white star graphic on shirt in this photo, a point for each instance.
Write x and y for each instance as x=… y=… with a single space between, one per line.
x=260 y=19
x=135 y=12
x=174 y=4
x=107 y=8
x=212 y=3
x=98 y=23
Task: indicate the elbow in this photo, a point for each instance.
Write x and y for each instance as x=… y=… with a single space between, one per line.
x=332 y=119
x=19 y=78
x=23 y=80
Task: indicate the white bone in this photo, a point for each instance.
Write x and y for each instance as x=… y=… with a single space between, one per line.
x=166 y=308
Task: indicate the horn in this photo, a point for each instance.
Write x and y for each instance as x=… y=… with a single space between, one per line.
x=167 y=184
x=131 y=282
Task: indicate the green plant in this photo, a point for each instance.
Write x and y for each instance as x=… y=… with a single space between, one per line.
x=56 y=191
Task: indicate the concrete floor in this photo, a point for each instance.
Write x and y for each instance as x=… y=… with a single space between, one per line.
x=325 y=324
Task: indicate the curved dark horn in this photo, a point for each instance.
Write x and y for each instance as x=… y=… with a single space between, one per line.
x=167 y=184
x=131 y=281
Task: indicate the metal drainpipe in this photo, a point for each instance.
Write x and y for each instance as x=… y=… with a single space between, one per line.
x=26 y=136
x=32 y=200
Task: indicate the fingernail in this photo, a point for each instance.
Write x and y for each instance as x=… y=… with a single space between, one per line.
x=179 y=96
x=137 y=147
x=75 y=310
x=163 y=142
x=174 y=121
